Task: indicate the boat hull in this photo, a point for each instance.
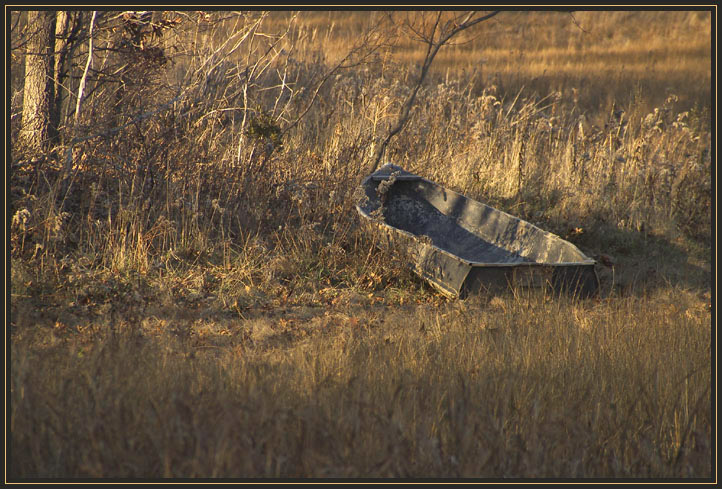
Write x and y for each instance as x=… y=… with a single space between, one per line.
x=464 y=247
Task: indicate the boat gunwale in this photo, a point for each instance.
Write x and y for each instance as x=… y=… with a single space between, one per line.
x=476 y=264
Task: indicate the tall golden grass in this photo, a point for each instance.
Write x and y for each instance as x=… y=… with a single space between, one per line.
x=520 y=388
x=202 y=302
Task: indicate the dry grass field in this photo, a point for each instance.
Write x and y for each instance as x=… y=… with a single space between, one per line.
x=191 y=295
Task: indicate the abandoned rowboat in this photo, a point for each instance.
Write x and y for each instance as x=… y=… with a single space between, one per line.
x=462 y=246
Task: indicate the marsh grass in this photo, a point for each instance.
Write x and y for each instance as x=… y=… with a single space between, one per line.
x=203 y=303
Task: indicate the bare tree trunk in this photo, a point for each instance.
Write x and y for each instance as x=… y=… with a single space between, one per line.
x=62 y=54
x=38 y=95
x=88 y=63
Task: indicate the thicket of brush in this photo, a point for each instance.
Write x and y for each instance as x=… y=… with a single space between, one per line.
x=191 y=296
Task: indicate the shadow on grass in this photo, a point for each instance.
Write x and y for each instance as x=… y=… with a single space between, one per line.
x=637 y=263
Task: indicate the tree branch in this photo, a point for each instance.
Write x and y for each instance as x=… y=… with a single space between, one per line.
x=432 y=49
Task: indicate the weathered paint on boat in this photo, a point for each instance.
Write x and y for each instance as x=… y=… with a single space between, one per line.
x=462 y=246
